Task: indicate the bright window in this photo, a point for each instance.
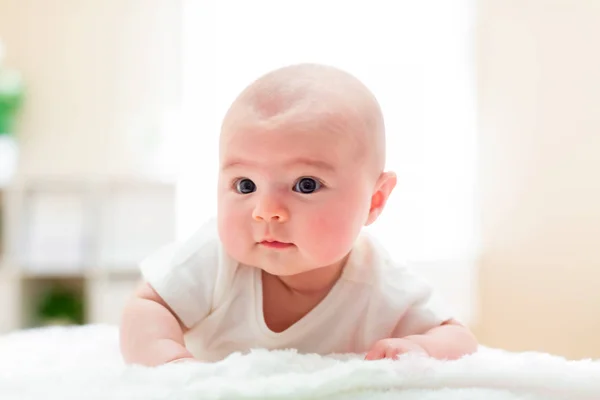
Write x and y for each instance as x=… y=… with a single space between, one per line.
x=416 y=56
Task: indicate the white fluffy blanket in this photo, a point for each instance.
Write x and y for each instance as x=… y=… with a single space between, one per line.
x=84 y=363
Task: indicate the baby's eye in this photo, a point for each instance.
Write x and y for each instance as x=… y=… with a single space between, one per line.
x=245 y=186
x=307 y=185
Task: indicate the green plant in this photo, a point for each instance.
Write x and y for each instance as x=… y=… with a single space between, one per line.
x=61 y=304
x=9 y=104
x=11 y=96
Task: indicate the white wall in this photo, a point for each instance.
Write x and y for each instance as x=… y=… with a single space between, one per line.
x=101 y=77
x=539 y=88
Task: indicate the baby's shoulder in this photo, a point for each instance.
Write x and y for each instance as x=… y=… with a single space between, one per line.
x=373 y=266
x=201 y=249
x=203 y=246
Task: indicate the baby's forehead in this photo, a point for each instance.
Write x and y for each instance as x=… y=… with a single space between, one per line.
x=295 y=110
x=290 y=139
x=309 y=115
x=294 y=130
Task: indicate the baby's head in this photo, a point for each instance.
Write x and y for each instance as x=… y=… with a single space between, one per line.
x=302 y=152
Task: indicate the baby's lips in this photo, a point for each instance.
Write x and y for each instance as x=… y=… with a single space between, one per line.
x=275 y=244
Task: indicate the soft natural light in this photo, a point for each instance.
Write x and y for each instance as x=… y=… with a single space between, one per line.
x=415 y=56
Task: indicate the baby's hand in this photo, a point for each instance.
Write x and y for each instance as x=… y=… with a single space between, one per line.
x=394 y=347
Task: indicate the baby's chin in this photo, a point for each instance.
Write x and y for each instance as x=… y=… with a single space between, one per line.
x=287 y=262
x=289 y=268
x=281 y=272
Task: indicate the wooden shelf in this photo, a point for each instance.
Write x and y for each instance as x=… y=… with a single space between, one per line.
x=53 y=274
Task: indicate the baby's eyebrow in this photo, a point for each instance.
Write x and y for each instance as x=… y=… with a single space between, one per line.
x=319 y=164
x=237 y=163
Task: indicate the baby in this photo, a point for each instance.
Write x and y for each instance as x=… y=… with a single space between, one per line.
x=285 y=265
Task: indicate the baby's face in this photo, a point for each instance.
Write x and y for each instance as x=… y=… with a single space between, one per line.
x=292 y=197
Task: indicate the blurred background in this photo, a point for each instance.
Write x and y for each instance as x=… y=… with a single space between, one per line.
x=109 y=119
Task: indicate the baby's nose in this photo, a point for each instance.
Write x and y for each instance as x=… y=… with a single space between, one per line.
x=269 y=210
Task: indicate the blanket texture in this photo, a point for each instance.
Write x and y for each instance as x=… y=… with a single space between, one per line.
x=84 y=363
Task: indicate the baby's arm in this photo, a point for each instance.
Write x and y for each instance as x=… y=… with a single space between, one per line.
x=150 y=333
x=448 y=341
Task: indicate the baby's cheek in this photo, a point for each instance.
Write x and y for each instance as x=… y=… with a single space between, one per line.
x=330 y=234
x=232 y=227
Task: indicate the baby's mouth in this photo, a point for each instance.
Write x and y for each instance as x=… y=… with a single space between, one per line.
x=274 y=244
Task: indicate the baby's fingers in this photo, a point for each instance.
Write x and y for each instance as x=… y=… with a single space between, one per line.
x=376 y=353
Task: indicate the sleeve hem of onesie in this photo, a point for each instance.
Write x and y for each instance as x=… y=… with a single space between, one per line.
x=177 y=297
x=179 y=303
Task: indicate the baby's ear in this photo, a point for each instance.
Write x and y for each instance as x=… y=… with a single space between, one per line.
x=383 y=188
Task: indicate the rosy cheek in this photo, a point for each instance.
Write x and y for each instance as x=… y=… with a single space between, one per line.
x=230 y=218
x=333 y=225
